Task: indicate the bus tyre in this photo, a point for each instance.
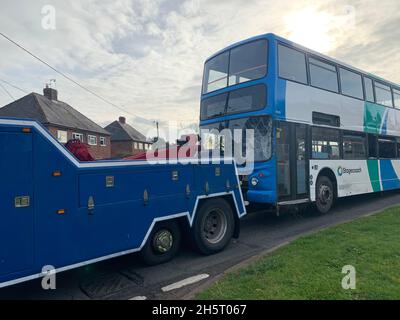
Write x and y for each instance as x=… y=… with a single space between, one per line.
x=325 y=194
x=162 y=244
x=213 y=227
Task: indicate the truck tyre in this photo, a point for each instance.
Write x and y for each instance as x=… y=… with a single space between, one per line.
x=162 y=244
x=213 y=227
x=325 y=194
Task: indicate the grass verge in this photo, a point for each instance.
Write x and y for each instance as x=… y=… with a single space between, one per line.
x=311 y=267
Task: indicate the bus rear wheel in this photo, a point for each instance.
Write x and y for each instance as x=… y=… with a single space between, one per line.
x=213 y=227
x=162 y=244
x=325 y=195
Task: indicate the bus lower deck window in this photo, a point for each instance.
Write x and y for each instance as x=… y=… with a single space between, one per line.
x=325 y=143
x=372 y=146
x=387 y=148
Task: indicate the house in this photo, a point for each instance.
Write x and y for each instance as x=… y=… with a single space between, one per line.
x=63 y=121
x=126 y=140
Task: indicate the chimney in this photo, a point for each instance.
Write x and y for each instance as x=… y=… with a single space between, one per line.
x=50 y=93
x=122 y=120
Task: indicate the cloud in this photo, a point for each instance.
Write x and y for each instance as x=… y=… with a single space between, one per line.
x=147 y=55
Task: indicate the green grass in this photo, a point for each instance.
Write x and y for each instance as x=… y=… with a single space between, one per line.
x=310 y=267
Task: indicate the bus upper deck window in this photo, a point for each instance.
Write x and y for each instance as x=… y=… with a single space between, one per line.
x=216 y=73
x=369 y=90
x=383 y=94
x=396 y=98
x=240 y=64
x=248 y=62
x=292 y=64
x=351 y=83
x=323 y=75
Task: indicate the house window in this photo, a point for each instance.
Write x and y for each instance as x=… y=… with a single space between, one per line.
x=92 y=140
x=62 y=136
x=140 y=146
x=103 y=141
x=77 y=136
x=135 y=145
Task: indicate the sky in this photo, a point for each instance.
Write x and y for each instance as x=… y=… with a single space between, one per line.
x=147 y=56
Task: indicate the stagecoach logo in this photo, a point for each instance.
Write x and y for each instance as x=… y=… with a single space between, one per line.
x=341 y=171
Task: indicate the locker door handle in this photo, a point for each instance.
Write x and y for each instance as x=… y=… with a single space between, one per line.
x=90 y=205
x=22 y=201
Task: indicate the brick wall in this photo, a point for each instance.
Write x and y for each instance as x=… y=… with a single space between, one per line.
x=120 y=149
x=101 y=152
x=97 y=151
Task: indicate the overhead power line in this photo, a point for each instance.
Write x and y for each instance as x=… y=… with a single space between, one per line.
x=6 y=91
x=65 y=75
x=14 y=86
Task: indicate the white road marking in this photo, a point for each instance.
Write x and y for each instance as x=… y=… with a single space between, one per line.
x=185 y=282
x=138 y=298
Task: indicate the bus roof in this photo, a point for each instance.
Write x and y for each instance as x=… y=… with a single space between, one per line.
x=272 y=36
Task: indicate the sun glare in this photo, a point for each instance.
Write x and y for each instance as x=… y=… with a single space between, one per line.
x=310 y=28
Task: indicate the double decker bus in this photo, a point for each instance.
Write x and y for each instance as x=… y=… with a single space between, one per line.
x=322 y=129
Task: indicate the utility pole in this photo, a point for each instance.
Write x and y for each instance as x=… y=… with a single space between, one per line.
x=158 y=134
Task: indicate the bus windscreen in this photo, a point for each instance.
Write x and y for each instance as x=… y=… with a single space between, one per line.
x=214 y=136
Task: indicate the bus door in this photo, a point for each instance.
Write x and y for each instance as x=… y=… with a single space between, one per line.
x=292 y=161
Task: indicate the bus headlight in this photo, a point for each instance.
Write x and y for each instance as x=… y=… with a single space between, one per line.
x=254 y=181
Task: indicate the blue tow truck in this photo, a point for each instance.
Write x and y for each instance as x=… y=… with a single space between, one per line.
x=57 y=211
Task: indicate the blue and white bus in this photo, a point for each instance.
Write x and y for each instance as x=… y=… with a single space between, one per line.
x=323 y=129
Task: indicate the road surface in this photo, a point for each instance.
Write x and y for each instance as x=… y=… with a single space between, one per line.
x=127 y=278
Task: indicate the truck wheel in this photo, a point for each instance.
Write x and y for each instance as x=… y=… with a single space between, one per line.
x=325 y=195
x=162 y=244
x=213 y=227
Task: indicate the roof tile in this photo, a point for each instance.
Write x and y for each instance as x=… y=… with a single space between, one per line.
x=38 y=107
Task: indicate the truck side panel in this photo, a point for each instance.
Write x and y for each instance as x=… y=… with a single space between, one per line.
x=17 y=219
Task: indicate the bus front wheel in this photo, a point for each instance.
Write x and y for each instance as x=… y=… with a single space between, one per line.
x=325 y=195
